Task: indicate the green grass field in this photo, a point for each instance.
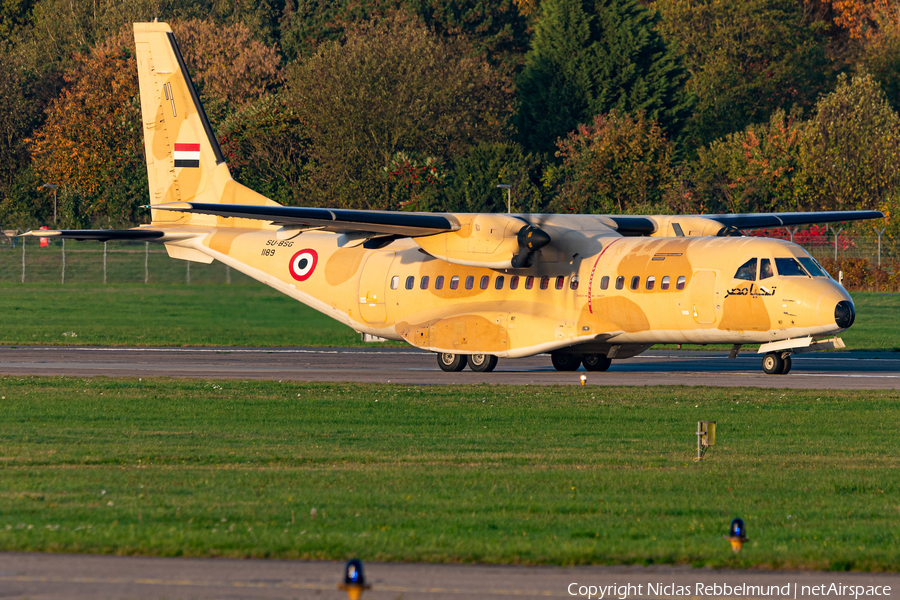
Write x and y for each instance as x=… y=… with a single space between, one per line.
x=249 y=315
x=448 y=473
x=163 y=315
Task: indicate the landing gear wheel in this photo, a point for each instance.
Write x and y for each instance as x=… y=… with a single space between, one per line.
x=482 y=363
x=596 y=362
x=787 y=365
x=773 y=364
x=565 y=362
x=451 y=362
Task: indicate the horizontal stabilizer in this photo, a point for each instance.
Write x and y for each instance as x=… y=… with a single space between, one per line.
x=333 y=219
x=99 y=235
x=760 y=220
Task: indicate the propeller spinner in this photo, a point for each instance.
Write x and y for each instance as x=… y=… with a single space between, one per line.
x=531 y=239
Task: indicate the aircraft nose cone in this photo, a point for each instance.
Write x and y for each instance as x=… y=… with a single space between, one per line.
x=844 y=315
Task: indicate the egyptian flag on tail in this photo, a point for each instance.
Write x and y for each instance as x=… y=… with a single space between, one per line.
x=187 y=155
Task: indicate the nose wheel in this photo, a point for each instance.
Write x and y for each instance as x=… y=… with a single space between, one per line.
x=775 y=363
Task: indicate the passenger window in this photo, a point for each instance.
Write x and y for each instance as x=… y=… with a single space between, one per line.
x=498 y=283
x=514 y=282
x=485 y=280
x=545 y=283
x=620 y=282
x=395 y=282
x=410 y=282
x=470 y=282
x=765 y=269
x=679 y=283
x=635 y=282
x=651 y=281
x=439 y=282
x=664 y=284
x=423 y=283
x=573 y=283
x=747 y=271
x=788 y=267
x=529 y=282
x=454 y=282
x=604 y=282
x=560 y=282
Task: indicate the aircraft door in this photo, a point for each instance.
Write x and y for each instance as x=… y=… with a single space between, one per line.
x=373 y=282
x=703 y=301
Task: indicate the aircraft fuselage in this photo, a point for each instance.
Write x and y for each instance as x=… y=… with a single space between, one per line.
x=597 y=292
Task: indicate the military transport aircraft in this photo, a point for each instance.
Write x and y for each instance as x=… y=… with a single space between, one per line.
x=477 y=287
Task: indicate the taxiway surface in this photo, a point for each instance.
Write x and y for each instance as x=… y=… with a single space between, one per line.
x=832 y=370
x=75 y=577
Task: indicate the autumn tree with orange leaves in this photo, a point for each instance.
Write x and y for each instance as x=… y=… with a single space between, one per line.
x=754 y=170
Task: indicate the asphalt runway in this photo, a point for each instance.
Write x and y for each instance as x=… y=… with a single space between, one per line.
x=59 y=576
x=825 y=370
x=76 y=577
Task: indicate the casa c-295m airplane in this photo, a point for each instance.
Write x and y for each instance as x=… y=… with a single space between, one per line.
x=473 y=288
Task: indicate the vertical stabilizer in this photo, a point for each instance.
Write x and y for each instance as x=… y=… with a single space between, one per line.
x=184 y=161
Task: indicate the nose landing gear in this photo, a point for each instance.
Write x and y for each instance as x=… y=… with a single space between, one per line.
x=776 y=363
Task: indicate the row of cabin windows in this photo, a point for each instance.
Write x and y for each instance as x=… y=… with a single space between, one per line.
x=544 y=283
x=485 y=282
x=649 y=284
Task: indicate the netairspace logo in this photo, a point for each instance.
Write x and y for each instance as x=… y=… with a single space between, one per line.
x=622 y=592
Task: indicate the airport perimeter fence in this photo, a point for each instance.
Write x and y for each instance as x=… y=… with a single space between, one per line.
x=867 y=263
x=23 y=260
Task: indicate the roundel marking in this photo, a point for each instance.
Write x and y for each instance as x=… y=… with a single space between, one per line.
x=303 y=264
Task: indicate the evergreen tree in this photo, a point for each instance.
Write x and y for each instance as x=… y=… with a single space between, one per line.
x=747 y=59
x=590 y=56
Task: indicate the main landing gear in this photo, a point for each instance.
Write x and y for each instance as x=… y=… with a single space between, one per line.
x=480 y=363
x=570 y=362
x=776 y=363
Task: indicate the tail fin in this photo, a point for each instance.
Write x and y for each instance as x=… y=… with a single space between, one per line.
x=184 y=161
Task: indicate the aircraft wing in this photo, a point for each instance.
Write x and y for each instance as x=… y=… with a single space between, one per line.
x=99 y=235
x=761 y=220
x=329 y=219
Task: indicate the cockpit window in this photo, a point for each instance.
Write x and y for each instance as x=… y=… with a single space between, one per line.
x=747 y=271
x=812 y=266
x=765 y=269
x=789 y=267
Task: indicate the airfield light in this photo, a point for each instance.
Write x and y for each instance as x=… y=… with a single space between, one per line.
x=354 y=579
x=737 y=535
x=706 y=437
x=583 y=379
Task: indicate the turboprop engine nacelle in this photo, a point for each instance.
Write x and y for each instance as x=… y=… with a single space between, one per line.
x=690 y=226
x=492 y=241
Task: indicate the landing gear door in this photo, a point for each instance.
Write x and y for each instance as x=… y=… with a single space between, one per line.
x=373 y=284
x=703 y=296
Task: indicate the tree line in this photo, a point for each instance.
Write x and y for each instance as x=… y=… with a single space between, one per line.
x=582 y=106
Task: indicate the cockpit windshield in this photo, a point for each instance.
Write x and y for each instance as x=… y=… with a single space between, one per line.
x=789 y=267
x=747 y=271
x=812 y=266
